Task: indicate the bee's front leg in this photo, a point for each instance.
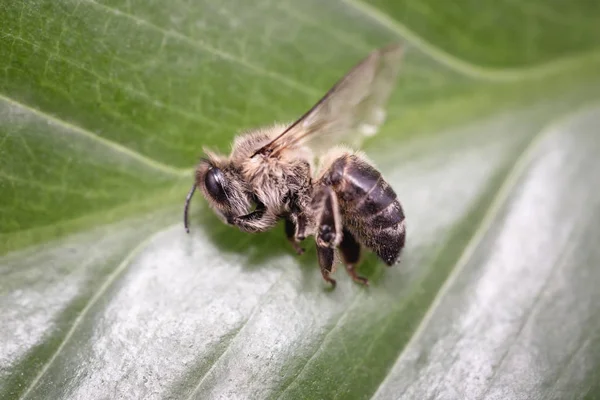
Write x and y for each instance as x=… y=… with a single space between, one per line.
x=259 y=220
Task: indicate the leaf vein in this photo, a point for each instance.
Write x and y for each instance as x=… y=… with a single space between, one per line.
x=111 y=278
x=239 y=331
x=301 y=87
x=53 y=188
x=118 y=84
x=108 y=143
x=466 y=68
x=529 y=314
x=333 y=328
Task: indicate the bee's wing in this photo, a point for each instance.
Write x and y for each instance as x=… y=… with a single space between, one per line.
x=351 y=110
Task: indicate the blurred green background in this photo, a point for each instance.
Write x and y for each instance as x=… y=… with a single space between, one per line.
x=491 y=144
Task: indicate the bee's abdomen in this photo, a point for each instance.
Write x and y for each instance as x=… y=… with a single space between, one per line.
x=369 y=206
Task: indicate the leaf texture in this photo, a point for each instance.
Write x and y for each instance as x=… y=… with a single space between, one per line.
x=491 y=144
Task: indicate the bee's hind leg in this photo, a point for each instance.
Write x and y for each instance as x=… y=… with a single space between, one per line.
x=290 y=232
x=350 y=251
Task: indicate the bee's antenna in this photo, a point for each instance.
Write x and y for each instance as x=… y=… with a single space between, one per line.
x=188 y=198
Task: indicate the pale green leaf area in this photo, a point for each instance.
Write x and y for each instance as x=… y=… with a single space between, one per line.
x=508 y=33
x=491 y=143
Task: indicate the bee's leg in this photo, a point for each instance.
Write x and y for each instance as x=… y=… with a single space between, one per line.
x=301 y=225
x=326 y=259
x=298 y=219
x=350 y=250
x=259 y=220
x=290 y=232
x=329 y=229
x=329 y=225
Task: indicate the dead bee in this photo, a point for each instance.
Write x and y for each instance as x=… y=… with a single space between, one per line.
x=347 y=203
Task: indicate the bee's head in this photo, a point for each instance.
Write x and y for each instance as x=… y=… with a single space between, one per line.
x=223 y=186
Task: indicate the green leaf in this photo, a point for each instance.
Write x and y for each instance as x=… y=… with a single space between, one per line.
x=105 y=107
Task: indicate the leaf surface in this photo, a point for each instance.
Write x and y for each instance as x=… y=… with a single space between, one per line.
x=104 y=109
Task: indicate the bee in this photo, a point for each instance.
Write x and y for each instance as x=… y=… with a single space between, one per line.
x=308 y=174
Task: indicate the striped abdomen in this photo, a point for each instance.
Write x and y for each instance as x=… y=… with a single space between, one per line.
x=368 y=205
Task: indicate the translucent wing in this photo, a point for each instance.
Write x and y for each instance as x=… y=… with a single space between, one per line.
x=350 y=111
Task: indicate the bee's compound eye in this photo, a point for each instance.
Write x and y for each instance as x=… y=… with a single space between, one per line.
x=214 y=181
